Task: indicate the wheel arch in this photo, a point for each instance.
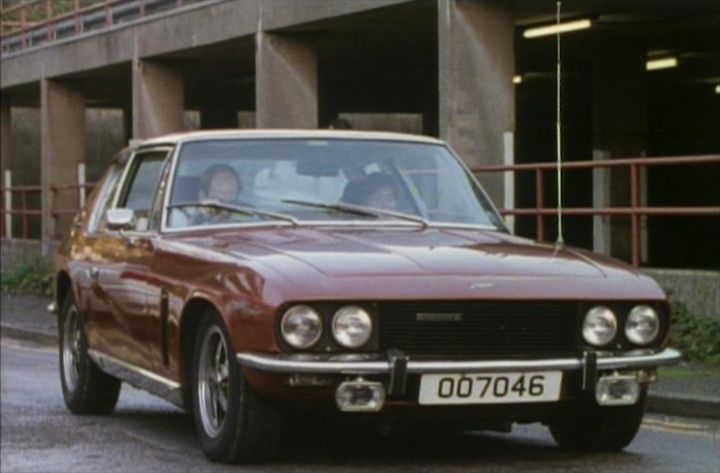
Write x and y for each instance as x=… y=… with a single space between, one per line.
x=63 y=285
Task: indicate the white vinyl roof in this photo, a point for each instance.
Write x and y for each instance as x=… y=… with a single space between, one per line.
x=310 y=134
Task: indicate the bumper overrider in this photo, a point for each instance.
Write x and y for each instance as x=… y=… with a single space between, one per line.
x=613 y=377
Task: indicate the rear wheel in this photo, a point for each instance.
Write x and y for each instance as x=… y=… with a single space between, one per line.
x=603 y=429
x=232 y=424
x=86 y=389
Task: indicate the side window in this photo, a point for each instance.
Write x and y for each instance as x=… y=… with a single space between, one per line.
x=141 y=186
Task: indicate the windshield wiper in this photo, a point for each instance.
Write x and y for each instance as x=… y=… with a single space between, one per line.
x=216 y=204
x=360 y=210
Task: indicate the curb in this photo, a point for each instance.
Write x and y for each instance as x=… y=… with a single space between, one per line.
x=678 y=405
x=28 y=335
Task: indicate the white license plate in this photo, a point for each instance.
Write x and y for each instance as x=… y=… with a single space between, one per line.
x=490 y=388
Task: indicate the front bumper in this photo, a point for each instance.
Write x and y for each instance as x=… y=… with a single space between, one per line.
x=396 y=368
x=384 y=365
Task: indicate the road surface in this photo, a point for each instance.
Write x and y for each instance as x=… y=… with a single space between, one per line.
x=148 y=434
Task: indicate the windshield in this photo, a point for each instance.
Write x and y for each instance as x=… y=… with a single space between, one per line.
x=305 y=181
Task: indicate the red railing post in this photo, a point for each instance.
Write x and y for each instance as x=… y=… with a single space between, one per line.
x=108 y=14
x=635 y=217
x=24 y=214
x=540 y=203
x=48 y=19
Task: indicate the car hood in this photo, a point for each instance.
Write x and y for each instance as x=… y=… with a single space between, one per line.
x=321 y=261
x=438 y=252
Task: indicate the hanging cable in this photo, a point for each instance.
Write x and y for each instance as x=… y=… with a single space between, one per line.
x=558 y=130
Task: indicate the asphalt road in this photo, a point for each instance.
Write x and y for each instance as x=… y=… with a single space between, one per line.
x=147 y=434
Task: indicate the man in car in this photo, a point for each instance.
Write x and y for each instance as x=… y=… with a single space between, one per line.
x=220 y=182
x=376 y=190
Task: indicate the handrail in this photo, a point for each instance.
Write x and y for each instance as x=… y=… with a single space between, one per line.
x=635 y=211
x=25 y=213
x=19 y=34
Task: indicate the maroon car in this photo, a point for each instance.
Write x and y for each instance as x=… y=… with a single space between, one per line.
x=250 y=275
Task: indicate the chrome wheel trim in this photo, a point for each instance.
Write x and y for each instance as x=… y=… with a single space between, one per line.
x=213 y=381
x=71 y=349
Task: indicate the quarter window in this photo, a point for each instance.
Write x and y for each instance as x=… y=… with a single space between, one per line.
x=143 y=179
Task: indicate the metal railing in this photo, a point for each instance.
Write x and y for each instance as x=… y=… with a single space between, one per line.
x=635 y=211
x=24 y=211
x=11 y=207
x=51 y=23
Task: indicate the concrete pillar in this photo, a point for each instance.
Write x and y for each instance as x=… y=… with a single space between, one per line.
x=620 y=125
x=158 y=99
x=5 y=136
x=476 y=67
x=62 y=136
x=286 y=85
x=218 y=117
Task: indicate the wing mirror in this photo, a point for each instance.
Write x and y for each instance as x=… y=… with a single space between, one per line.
x=120 y=219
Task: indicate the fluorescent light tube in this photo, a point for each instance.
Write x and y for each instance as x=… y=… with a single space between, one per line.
x=557 y=28
x=661 y=63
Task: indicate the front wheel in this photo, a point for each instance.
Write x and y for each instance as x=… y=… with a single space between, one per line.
x=86 y=389
x=232 y=424
x=601 y=429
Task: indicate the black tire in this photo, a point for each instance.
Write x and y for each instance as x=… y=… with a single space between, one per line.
x=604 y=429
x=86 y=389
x=245 y=430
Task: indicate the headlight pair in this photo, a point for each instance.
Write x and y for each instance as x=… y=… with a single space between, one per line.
x=600 y=326
x=301 y=326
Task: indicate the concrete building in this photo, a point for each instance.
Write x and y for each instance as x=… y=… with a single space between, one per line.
x=439 y=67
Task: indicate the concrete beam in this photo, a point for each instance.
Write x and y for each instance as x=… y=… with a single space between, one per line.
x=476 y=67
x=62 y=130
x=286 y=87
x=158 y=99
x=210 y=23
x=5 y=137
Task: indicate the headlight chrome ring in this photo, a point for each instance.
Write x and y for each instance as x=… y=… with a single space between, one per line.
x=352 y=326
x=642 y=325
x=599 y=326
x=301 y=326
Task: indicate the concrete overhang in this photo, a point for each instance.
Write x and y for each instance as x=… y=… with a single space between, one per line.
x=199 y=25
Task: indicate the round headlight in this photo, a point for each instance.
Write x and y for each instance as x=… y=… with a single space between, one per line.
x=301 y=326
x=600 y=326
x=352 y=326
x=642 y=325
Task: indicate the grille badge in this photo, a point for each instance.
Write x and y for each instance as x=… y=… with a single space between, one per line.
x=438 y=317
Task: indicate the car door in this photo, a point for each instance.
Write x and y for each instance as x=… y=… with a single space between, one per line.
x=123 y=276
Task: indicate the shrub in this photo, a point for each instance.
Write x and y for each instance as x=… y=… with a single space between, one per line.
x=34 y=277
x=696 y=336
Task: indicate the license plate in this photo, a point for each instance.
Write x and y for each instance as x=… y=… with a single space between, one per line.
x=490 y=388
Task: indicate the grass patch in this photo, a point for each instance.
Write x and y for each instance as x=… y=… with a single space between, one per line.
x=696 y=336
x=683 y=372
x=35 y=278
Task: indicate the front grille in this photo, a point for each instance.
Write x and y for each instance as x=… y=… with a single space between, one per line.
x=503 y=329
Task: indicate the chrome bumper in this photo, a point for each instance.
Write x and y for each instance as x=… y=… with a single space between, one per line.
x=368 y=365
